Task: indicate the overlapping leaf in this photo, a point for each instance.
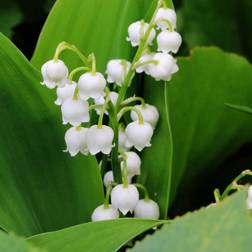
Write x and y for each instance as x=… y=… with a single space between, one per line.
x=41 y=188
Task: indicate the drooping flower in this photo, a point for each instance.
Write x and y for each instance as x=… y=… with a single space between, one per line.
x=147 y=209
x=100 y=101
x=65 y=92
x=169 y=41
x=139 y=135
x=75 y=111
x=91 y=85
x=75 y=139
x=166 y=18
x=123 y=141
x=164 y=68
x=54 y=74
x=105 y=213
x=149 y=112
x=109 y=178
x=99 y=139
x=144 y=67
x=133 y=163
x=124 y=198
x=137 y=31
x=117 y=70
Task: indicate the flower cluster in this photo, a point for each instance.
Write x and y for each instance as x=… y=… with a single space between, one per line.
x=118 y=141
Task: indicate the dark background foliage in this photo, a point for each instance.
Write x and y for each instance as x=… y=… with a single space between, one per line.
x=202 y=22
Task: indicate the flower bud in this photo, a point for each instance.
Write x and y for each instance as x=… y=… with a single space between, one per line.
x=54 y=74
x=124 y=198
x=133 y=163
x=100 y=139
x=123 y=141
x=105 y=213
x=117 y=70
x=147 y=209
x=169 y=41
x=150 y=114
x=164 y=68
x=75 y=139
x=75 y=111
x=100 y=101
x=164 y=17
x=137 y=32
x=145 y=67
x=91 y=85
x=109 y=178
x=65 y=92
x=139 y=135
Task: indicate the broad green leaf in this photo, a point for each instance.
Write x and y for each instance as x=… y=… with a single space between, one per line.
x=11 y=243
x=105 y=236
x=41 y=188
x=221 y=23
x=219 y=228
x=93 y=26
x=10 y=15
x=204 y=130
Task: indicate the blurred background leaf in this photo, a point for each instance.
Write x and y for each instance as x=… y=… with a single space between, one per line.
x=41 y=188
x=10 y=16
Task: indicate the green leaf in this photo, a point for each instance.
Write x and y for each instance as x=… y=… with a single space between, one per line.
x=41 y=188
x=105 y=236
x=240 y=108
x=223 y=227
x=221 y=23
x=100 y=30
x=10 y=15
x=11 y=243
x=204 y=130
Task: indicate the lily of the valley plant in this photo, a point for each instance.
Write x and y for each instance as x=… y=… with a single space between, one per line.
x=105 y=94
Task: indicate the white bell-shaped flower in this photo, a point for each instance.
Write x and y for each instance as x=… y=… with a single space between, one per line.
x=117 y=70
x=75 y=139
x=144 y=67
x=65 y=92
x=109 y=178
x=149 y=112
x=123 y=141
x=133 y=163
x=75 y=111
x=102 y=213
x=139 y=135
x=124 y=198
x=165 y=18
x=91 y=85
x=54 y=74
x=164 y=68
x=169 y=41
x=100 y=101
x=249 y=198
x=136 y=32
x=99 y=139
x=147 y=209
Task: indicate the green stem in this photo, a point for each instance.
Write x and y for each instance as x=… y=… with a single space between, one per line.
x=114 y=156
x=144 y=189
x=108 y=192
x=133 y=99
x=230 y=186
x=104 y=107
x=75 y=71
x=147 y=62
x=130 y=108
x=65 y=46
